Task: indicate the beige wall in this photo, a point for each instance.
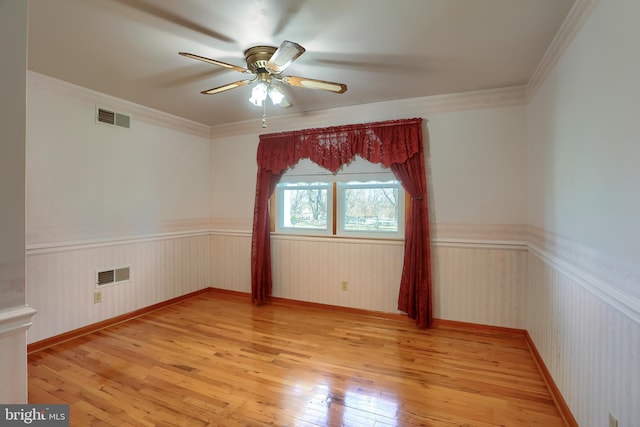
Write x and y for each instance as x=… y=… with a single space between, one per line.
x=146 y=197
x=583 y=287
x=101 y=197
x=14 y=314
x=476 y=156
x=13 y=39
x=87 y=181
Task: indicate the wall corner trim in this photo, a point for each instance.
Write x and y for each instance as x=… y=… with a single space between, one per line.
x=15 y=320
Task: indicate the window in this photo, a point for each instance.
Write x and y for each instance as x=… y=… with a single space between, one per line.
x=304 y=207
x=370 y=208
x=365 y=200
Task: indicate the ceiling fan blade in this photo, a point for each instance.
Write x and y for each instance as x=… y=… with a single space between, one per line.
x=214 y=62
x=284 y=56
x=229 y=86
x=314 y=84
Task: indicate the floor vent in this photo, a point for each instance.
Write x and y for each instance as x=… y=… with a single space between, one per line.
x=112 y=276
x=112 y=118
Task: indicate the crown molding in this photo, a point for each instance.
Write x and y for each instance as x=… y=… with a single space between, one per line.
x=90 y=98
x=387 y=110
x=572 y=24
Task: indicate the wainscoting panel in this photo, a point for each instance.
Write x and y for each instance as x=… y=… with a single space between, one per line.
x=231 y=260
x=314 y=270
x=479 y=283
x=591 y=348
x=61 y=279
x=473 y=282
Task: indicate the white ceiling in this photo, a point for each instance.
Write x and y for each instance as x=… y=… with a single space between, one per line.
x=382 y=49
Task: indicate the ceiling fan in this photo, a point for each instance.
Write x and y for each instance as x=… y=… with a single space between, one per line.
x=266 y=64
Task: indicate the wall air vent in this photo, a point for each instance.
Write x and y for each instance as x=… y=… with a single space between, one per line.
x=112 y=276
x=112 y=118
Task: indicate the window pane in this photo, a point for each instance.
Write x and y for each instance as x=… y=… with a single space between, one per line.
x=305 y=208
x=371 y=209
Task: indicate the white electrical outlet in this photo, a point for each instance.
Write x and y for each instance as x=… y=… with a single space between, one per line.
x=97 y=297
x=344 y=285
x=612 y=421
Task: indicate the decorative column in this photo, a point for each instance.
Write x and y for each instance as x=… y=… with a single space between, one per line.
x=15 y=315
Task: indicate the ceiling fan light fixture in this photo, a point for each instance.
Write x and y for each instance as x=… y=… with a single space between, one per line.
x=275 y=95
x=259 y=94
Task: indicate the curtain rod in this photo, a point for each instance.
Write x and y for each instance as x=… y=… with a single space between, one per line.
x=354 y=126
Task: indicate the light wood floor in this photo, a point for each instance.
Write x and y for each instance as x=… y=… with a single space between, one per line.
x=217 y=360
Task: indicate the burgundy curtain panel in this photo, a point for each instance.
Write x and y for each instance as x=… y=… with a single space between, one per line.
x=396 y=144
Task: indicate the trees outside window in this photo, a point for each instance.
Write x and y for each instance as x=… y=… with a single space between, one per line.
x=361 y=209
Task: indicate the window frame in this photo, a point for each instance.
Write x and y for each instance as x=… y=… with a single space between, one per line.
x=340 y=213
x=335 y=202
x=278 y=208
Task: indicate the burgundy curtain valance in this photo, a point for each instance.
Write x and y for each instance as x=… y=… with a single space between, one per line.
x=385 y=142
x=396 y=144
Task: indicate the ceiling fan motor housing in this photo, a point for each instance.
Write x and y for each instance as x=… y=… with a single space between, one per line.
x=257 y=58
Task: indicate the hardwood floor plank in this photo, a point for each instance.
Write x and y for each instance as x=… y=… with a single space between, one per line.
x=217 y=360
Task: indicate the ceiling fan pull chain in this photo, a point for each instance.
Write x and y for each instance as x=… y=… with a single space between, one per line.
x=264 y=114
